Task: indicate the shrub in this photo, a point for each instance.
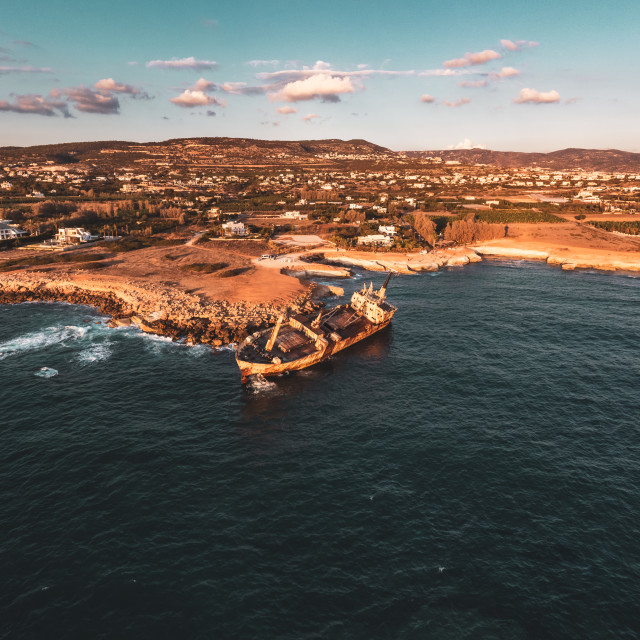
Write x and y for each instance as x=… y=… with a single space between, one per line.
x=204 y=267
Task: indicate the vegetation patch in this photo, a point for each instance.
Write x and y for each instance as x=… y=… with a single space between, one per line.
x=230 y=273
x=503 y=216
x=52 y=258
x=630 y=227
x=204 y=267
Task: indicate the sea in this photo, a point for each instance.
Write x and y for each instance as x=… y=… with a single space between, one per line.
x=473 y=471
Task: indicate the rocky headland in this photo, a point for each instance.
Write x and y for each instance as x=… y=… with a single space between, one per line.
x=158 y=309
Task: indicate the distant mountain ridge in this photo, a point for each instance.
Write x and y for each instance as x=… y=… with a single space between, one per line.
x=247 y=150
x=607 y=160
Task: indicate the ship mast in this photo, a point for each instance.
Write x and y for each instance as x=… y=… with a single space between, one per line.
x=274 y=335
x=383 y=289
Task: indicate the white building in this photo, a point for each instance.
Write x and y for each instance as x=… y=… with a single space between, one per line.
x=295 y=215
x=234 y=228
x=389 y=230
x=73 y=235
x=9 y=230
x=376 y=238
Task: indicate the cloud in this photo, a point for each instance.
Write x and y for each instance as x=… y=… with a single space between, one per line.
x=182 y=63
x=204 y=85
x=90 y=100
x=191 y=98
x=263 y=63
x=25 y=69
x=537 y=97
x=310 y=116
x=472 y=59
x=23 y=43
x=211 y=113
x=209 y=23
x=324 y=86
x=506 y=72
x=473 y=84
x=242 y=89
x=425 y=97
x=572 y=100
x=467 y=144
x=457 y=103
x=286 y=110
x=36 y=104
x=133 y=63
x=324 y=68
x=510 y=45
x=109 y=84
x=443 y=72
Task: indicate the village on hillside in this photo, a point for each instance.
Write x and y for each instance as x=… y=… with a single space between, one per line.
x=368 y=199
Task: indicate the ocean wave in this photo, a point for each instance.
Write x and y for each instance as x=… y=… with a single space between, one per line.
x=96 y=353
x=37 y=340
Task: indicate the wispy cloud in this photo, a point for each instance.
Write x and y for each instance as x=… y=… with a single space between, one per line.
x=472 y=59
x=537 y=97
x=25 y=69
x=182 y=63
x=457 y=103
x=425 y=97
x=473 y=83
x=36 y=104
x=310 y=116
x=23 y=43
x=263 y=63
x=194 y=98
x=243 y=89
x=286 y=110
x=510 y=45
x=210 y=23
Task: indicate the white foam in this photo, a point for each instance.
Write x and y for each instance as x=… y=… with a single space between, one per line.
x=46 y=372
x=37 y=340
x=96 y=353
x=259 y=384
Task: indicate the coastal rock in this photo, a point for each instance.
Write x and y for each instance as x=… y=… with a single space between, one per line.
x=510 y=252
x=155 y=309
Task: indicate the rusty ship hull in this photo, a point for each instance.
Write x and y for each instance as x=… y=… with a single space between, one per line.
x=302 y=341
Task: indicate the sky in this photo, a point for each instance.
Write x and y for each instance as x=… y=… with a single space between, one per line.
x=534 y=75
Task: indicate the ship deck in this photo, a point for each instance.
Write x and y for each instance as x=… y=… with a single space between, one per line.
x=340 y=323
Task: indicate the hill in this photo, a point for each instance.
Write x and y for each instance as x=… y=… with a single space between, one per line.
x=608 y=160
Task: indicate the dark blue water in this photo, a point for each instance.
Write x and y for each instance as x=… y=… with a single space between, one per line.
x=472 y=472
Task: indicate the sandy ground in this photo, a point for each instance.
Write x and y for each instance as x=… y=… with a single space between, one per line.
x=166 y=266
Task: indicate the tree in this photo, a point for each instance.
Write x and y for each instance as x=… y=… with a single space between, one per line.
x=425 y=227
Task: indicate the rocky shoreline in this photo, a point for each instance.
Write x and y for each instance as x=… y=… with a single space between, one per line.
x=155 y=309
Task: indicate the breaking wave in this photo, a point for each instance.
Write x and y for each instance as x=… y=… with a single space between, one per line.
x=38 y=340
x=96 y=353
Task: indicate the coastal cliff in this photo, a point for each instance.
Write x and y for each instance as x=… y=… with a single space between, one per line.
x=156 y=309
